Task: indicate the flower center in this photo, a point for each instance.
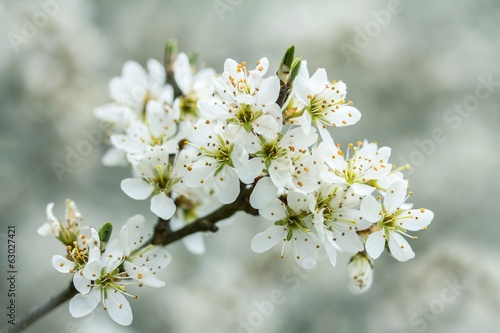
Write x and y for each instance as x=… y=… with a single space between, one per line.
x=245 y=116
x=188 y=107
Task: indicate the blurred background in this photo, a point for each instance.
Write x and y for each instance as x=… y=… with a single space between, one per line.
x=426 y=77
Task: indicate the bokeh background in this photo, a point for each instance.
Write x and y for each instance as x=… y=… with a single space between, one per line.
x=406 y=77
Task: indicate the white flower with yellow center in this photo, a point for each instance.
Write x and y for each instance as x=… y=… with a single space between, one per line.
x=126 y=261
x=292 y=224
x=106 y=284
x=392 y=222
x=245 y=99
x=158 y=129
x=194 y=87
x=159 y=176
x=337 y=218
x=277 y=156
x=322 y=103
x=79 y=253
x=218 y=157
x=361 y=171
x=136 y=87
x=237 y=80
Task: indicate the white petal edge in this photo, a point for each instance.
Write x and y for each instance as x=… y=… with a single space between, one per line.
x=136 y=188
x=375 y=244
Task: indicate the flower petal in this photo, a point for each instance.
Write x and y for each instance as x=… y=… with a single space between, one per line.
x=375 y=244
x=183 y=73
x=163 y=206
x=362 y=189
x=136 y=188
x=228 y=185
x=395 y=196
x=81 y=283
x=143 y=275
x=305 y=247
x=133 y=234
x=420 y=218
x=370 y=208
x=399 y=247
x=263 y=191
x=82 y=305
x=62 y=264
x=274 y=210
x=267 y=239
x=195 y=243
x=155 y=259
x=119 y=308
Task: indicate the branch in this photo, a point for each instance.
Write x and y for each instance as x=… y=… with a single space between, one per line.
x=41 y=310
x=164 y=236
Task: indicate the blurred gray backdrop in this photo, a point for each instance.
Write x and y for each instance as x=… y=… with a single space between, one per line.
x=425 y=76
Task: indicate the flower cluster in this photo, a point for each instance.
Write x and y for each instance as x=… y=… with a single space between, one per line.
x=102 y=270
x=200 y=143
x=192 y=151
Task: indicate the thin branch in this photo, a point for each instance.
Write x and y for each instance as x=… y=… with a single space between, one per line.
x=41 y=310
x=207 y=223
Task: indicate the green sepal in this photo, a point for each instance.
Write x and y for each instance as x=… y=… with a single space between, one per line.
x=286 y=64
x=105 y=234
x=295 y=69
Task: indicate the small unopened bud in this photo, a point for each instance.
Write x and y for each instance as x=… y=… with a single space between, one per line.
x=360 y=273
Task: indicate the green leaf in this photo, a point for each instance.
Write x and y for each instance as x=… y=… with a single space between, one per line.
x=286 y=64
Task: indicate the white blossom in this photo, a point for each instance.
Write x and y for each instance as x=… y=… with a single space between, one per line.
x=136 y=87
x=292 y=224
x=322 y=103
x=392 y=222
x=126 y=261
x=337 y=219
x=367 y=165
x=159 y=177
x=277 y=156
x=194 y=87
x=218 y=159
